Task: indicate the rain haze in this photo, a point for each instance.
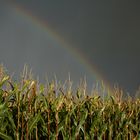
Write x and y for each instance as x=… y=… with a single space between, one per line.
x=97 y=35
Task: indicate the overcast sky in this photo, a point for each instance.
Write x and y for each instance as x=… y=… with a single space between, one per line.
x=107 y=33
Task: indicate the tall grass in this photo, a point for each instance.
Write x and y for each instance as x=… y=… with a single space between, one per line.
x=29 y=110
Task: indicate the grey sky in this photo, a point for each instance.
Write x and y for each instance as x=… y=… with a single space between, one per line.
x=107 y=32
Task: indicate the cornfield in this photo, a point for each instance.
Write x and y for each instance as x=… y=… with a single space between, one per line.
x=30 y=110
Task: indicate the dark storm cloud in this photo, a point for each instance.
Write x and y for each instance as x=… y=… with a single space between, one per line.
x=106 y=31
x=23 y=41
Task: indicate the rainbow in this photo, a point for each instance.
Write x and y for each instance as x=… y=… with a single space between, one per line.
x=39 y=23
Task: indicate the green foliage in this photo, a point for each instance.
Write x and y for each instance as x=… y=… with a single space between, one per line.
x=32 y=111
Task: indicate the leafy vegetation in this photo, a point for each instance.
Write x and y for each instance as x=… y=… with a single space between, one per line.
x=29 y=110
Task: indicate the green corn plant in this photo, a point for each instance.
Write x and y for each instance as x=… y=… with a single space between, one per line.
x=30 y=110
